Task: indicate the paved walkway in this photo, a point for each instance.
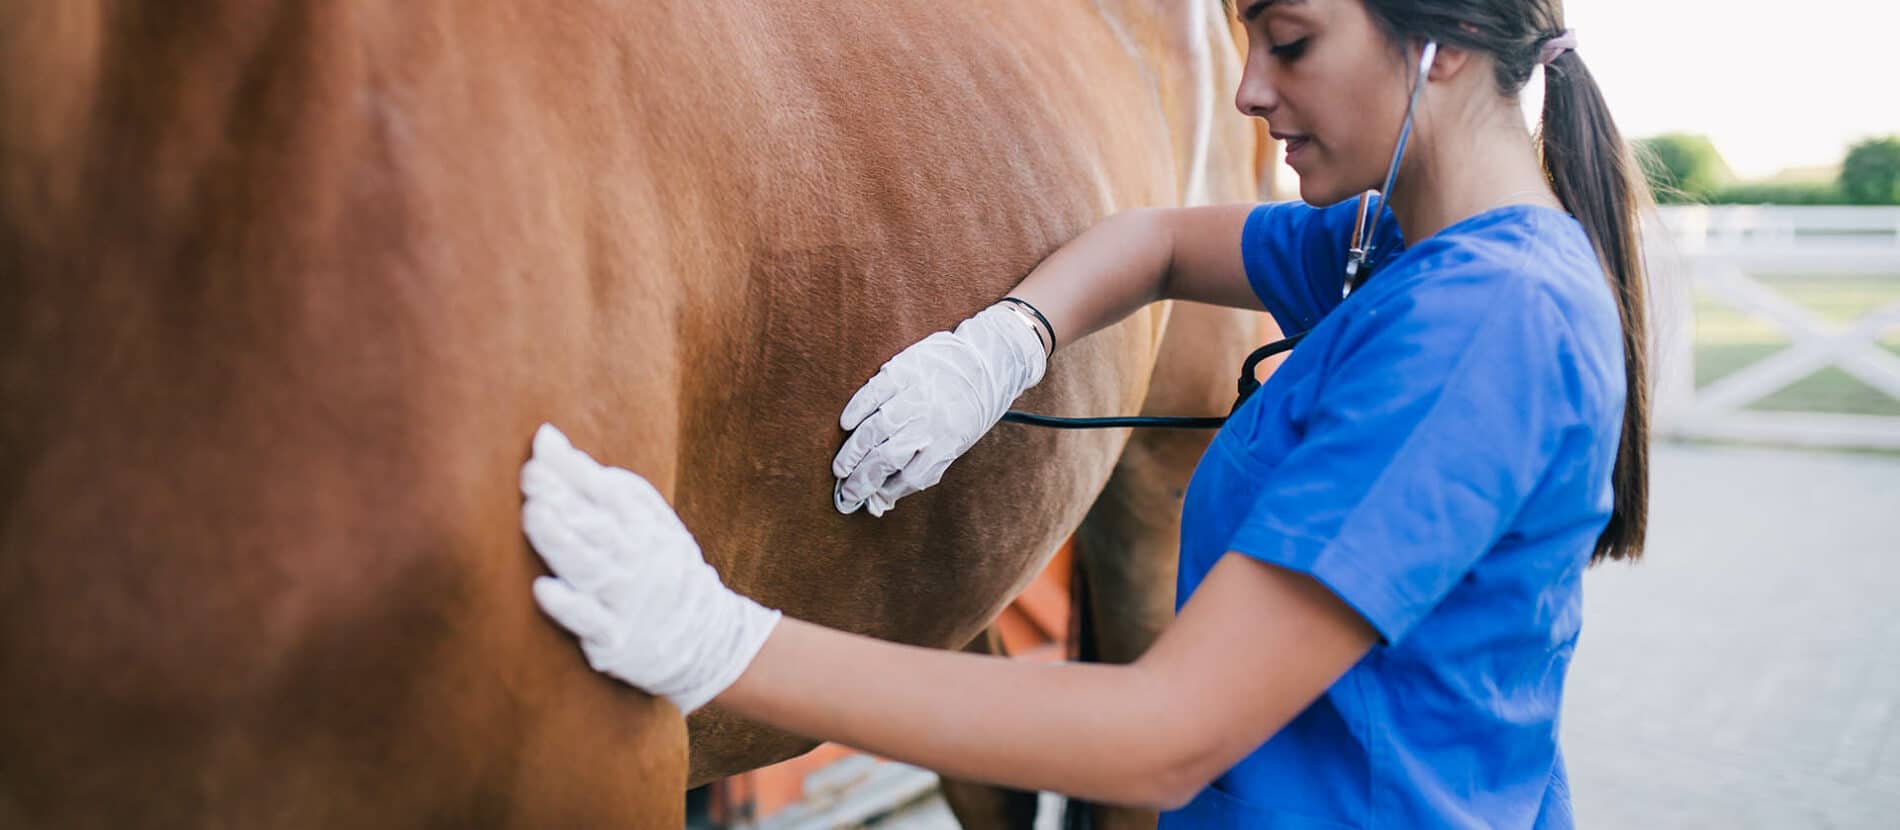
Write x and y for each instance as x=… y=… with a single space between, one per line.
x=1747 y=675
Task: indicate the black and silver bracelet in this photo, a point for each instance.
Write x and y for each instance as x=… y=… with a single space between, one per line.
x=1039 y=318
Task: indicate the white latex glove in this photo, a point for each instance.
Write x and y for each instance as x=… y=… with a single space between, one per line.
x=629 y=580
x=929 y=404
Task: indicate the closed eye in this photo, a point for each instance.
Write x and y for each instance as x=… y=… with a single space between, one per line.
x=1289 y=51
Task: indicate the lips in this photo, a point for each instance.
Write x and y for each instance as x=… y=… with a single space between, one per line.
x=1294 y=144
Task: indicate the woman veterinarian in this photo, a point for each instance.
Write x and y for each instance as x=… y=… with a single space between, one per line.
x=1382 y=550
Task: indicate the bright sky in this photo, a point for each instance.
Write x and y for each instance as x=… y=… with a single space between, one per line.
x=1774 y=85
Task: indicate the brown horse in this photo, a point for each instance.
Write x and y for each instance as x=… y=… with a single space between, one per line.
x=285 y=286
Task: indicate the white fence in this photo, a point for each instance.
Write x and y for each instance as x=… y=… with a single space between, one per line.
x=1723 y=251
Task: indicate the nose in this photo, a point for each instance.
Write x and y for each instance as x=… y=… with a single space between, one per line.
x=1256 y=95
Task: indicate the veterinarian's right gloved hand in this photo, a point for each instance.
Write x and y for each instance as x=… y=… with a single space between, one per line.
x=930 y=404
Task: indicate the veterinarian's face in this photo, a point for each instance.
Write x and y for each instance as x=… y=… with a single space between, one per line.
x=1330 y=85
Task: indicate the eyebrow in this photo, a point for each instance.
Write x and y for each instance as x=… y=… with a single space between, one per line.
x=1256 y=8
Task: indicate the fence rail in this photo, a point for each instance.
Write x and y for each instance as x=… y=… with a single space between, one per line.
x=1724 y=252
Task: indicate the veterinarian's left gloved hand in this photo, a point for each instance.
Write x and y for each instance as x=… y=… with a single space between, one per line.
x=629 y=580
x=930 y=404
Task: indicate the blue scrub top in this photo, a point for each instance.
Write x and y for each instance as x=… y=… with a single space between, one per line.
x=1437 y=452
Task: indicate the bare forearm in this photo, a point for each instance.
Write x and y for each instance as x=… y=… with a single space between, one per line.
x=1100 y=732
x=1137 y=257
x=1102 y=276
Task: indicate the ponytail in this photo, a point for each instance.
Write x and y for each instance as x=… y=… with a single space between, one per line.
x=1595 y=176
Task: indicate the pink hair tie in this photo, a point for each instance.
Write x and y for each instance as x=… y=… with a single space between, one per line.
x=1565 y=41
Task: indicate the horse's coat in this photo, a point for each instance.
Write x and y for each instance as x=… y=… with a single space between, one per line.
x=286 y=286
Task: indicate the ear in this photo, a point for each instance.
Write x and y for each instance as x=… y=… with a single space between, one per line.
x=1450 y=63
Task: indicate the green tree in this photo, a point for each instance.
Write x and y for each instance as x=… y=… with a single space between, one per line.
x=1871 y=173
x=1682 y=167
x=1778 y=193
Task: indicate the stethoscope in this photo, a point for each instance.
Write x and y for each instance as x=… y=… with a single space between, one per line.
x=1358 y=270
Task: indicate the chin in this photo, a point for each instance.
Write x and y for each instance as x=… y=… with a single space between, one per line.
x=1318 y=192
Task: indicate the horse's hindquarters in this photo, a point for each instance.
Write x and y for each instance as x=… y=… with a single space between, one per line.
x=222 y=619
x=287 y=315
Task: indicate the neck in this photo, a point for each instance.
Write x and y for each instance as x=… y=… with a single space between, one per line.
x=1453 y=175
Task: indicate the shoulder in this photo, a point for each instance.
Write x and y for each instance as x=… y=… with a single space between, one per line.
x=1283 y=235
x=1519 y=287
x=1297 y=221
x=1518 y=261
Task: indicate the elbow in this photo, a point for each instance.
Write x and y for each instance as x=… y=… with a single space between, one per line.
x=1175 y=753
x=1162 y=793
x=1171 y=779
x=1165 y=801
x=1172 y=789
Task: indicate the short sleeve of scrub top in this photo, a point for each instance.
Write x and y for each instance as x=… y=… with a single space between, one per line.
x=1295 y=256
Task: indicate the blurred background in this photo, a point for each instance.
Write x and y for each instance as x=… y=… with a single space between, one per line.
x=1747 y=674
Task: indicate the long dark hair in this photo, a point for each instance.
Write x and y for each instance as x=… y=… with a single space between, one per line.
x=1594 y=175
